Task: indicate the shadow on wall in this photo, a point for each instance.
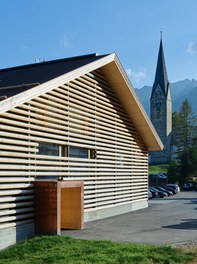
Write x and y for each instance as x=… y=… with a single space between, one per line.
x=24 y=231
x=11 y=235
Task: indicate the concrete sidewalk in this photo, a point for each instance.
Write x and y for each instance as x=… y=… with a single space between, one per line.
x=165 y=221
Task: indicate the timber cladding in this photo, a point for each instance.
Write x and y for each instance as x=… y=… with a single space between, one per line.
x=83 y=116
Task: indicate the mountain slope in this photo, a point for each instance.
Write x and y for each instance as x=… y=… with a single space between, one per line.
x=180 y=91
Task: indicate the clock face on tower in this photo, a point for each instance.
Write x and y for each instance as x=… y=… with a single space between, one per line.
x=157 y=109
x=158 y=98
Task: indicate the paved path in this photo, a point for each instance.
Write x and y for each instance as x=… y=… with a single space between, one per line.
x=165 y=221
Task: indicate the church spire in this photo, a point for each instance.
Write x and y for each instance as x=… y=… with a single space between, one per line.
x=161 y=109
x=161 y=78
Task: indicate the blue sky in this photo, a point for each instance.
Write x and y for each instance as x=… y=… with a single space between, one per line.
x=53 y=29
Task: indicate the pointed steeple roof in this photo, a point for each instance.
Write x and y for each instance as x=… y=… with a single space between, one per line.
x=161 y=73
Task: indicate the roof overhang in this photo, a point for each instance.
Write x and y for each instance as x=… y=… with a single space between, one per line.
x=124 y=90
x=119 y=81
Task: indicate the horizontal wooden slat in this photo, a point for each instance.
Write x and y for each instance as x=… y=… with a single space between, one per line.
x=16 y=192
x=13 y=205
x=17 y=142
x=12 y=224
x=16 y=179
x=5 y=199
x=17 y=148
x=15 y=186
x=77 y=167
x=15 y=211
x=67 y=162
x=17 y=217
x=72 y=172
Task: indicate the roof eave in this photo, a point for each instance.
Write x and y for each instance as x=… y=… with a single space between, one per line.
x=122 y=86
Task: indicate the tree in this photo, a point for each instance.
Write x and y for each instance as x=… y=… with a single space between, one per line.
x=183 y=126
x=185 y=167
x=176 y=129
x=173 y=172
x=188 y=163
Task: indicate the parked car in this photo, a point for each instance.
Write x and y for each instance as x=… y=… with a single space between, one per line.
x=154 y=193
x=157 y=179
x=150 y=195
x=164 y=190
x=175 y=186
x=187 y=186
x=157 y=175
x=161 y=194
x=163 y=175
x=174 y=191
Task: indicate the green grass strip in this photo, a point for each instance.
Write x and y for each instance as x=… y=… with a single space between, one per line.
x=66 y=250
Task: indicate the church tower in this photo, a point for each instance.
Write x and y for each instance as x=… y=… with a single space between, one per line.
x=161 y=110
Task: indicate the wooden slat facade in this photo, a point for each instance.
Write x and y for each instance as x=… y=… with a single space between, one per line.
x=83 y=113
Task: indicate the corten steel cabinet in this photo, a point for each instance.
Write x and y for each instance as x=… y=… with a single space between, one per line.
x=58 y=205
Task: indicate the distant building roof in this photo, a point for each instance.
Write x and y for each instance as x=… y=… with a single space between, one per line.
x=19 y=79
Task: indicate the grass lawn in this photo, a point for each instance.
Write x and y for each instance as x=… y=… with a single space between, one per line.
x=59 y=249
x=158 y=168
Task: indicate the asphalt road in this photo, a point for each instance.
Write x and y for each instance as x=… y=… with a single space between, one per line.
x=165 y=221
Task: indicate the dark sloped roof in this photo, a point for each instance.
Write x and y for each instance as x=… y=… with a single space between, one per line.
x=18 y=79
x=161 y=77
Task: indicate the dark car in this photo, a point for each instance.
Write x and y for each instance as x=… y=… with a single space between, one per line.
x=187 y=186
x=150 y=195
x=154 y=193
x=157 y=175
x=163 y=175
x=174 y=191
x=164 y=190
x=174 y=186
x=161 y=194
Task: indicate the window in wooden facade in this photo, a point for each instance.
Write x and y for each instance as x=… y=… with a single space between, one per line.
x=48 y=149
x=78 y=152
